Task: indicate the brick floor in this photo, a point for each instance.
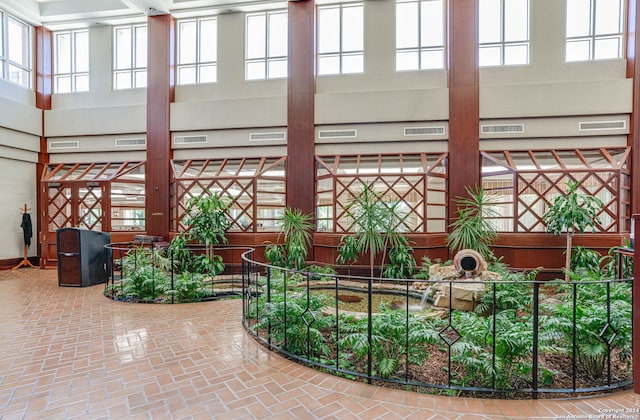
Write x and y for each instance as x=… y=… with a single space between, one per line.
x=70 y=353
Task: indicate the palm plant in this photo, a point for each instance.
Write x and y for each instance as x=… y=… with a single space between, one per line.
x=374 y=222
x=572 y=212
x=347 y=251
x=297 y=229
x=472 y=229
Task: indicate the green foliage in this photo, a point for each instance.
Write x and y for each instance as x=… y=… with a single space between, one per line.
x=401 y=261
x=425 y=265
x=591 y=322
x=572 y=211
x=472 y=229
x=388 y=340
x=320 y=272
x=275 y=254
x=208 y=218
x=347 y=251
x=374 y=222
x=304 y=323
x=585 y=260
x=187 y=287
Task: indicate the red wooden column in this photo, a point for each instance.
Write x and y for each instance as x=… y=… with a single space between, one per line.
x=633 y=72
x=43 y=90
x=633 y=140
x=300 y=179
x=464 y=100
x=160 y=94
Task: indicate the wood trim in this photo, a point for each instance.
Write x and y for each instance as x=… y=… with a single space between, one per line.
x=160 y=95
x=464 y=101
x=633 y=72
x=300 y=180
x=43 y=91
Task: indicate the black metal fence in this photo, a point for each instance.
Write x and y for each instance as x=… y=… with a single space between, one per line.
x=149 y=273
x=509 y=337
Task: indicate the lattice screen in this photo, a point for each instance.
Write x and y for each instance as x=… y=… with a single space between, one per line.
x=414 y=183
x=256 y=187
x=526 y=183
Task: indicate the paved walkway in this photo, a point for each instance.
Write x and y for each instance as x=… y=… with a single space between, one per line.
x=71 y=353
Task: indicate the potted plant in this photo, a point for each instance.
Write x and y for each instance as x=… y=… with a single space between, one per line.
x=572 y=212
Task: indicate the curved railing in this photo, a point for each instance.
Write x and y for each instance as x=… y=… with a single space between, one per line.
x=151 y=273
x=522 y=338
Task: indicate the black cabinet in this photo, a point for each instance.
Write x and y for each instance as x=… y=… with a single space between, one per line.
x=82 y=258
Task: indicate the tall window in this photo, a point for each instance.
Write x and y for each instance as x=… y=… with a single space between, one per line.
x=71 y=70
x=594 y=29
x=15 y=50
x=341 y=39
x=267 y=45
x=197 y=51
x=419 y=34
x=504 y=32
x=130 y=57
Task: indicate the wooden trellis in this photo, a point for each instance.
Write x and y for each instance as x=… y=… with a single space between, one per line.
x=256 y=187
x=528 y=181
x=415 y=183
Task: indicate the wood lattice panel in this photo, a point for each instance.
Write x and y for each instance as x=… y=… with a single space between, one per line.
x=256 y=187
x=527 y=182
x=415 y=183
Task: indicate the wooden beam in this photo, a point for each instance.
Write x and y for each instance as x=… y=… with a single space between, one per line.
x=160 y=94
x=300 y=181
x=464 y=101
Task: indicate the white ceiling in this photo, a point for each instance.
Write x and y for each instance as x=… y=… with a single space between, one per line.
x=59 y=14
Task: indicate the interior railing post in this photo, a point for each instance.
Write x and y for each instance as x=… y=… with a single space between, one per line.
x=536 y=318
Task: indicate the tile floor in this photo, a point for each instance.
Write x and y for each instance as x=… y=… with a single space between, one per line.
x=71 y=353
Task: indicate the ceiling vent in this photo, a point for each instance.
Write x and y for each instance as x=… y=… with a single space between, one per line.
x=71 y=144
x=502 y=129
x=274 y=136
x=423 y=131
x=190 y=140
x=602 y=125
x=131 y=142
x=337 y=134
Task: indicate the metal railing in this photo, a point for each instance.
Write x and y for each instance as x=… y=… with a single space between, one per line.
x=147 y=273
x=520 y=337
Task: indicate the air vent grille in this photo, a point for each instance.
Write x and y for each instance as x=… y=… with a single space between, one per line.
x=423 y=131
x=274 y=136
x=190 y=140
x=131 y=142
x=71 y=144
x=502 y=129
x=602 y=125
x=337 y=134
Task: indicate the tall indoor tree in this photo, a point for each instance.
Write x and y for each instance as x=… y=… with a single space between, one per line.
x=572 y=212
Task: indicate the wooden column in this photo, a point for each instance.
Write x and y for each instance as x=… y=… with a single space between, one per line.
x=633 y=72
x=464 y=100
x=300 y=115
x=160 y=94
x=43 y=90
x=635 y=321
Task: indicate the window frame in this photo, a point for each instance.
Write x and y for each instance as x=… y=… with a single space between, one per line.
x=593 y=37
x=5 y=61
x=268 y=58
x=133 y=70
x=199 y=63
x=502 y=44
x=420 y=49
x=73 y=73
x=340 y=53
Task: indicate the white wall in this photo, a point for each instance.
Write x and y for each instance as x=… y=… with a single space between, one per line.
x=18 y=157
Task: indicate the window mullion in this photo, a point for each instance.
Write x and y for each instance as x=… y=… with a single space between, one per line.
x=503 y=41
x=593 y=30
x=267 y=24
x=341 y=48
x=419 y=34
